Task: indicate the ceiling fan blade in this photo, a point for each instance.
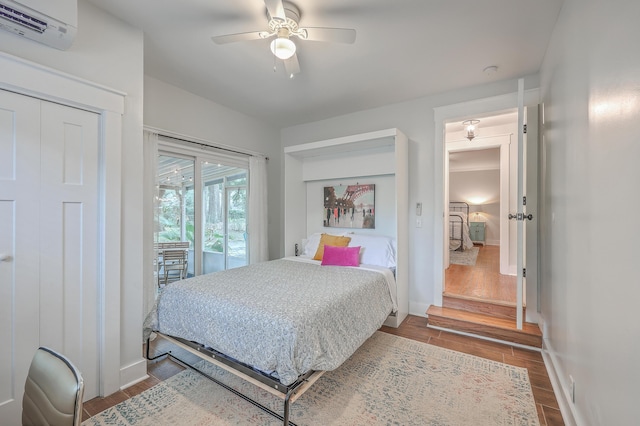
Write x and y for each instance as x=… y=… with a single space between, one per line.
x=292 y=66
x=275 y=9
x=232 y=38
x=336 y=35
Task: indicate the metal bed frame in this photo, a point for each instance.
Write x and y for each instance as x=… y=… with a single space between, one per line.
x=288 y=393
x=458 y=206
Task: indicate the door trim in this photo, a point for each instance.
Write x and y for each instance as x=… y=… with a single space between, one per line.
x=35 y=80
x=441 y=115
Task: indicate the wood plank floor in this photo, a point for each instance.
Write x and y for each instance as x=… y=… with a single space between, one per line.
x=482 y=281
x=414 y=327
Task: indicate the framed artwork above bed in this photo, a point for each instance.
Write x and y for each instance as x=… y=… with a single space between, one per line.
x=349 y=206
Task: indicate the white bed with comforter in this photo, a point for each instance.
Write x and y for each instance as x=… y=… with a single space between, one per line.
x=286 y=318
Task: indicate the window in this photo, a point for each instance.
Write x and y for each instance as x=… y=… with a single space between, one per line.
x=224 y=201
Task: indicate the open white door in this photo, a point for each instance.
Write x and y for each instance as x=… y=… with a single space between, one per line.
x=521 y=216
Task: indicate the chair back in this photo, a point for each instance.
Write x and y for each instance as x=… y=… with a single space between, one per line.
x=174 y=256
x=53 y=391
x=172 y=261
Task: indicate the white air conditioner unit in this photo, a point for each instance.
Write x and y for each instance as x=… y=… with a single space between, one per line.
x=50 y=22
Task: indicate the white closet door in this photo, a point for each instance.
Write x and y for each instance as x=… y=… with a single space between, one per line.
x=69 y=237
x=19 y=246
x=48 y=240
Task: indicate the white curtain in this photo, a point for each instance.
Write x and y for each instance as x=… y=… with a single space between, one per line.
x=150 y=191
x=258 y=238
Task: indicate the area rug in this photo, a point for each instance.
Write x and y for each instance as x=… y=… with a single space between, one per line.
x=390 y=380
x=467 y=257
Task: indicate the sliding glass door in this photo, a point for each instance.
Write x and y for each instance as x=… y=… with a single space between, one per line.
x=224 y=200
x=202 y=201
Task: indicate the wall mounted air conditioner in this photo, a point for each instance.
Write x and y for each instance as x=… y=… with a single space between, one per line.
x=50 y=22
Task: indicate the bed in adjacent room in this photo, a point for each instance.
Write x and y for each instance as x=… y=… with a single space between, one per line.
x=285 y=321
x=459 y=237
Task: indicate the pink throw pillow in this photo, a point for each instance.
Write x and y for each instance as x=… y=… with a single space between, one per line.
x=341 y=256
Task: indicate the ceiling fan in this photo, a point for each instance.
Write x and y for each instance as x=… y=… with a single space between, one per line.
x=283 y=17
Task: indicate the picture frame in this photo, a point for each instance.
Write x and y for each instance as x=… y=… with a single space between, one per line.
x=349 y=206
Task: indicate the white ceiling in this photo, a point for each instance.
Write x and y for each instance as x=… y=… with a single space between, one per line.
x=404 y=49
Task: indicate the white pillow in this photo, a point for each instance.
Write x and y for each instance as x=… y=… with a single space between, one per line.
x=311 y=245
x=375 y=249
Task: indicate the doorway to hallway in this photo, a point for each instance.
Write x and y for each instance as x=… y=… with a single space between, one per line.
x=479 y=176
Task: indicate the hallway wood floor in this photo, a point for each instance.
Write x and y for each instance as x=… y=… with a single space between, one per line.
x=482 y=281
x=414 y=327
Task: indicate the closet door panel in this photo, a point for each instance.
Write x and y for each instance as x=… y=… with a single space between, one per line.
x=69 y=237
x=19 y=246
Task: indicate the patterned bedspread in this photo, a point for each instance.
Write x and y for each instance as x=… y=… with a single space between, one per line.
x=283 y=317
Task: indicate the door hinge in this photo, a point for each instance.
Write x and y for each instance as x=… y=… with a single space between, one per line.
x=524 y=128
x=524 y=200
x=524 y=272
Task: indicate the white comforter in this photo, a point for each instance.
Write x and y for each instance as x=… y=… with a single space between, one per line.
x=283 y=317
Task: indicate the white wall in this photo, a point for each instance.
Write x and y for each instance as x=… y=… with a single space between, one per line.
x=169 y=108
x=590 y=86
x=109 y=52
x=416 y=119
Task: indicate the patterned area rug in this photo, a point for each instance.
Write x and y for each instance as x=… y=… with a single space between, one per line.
x=467 y=257
x=389 y=380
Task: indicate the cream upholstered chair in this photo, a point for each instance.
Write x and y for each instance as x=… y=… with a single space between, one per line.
x=53 y=391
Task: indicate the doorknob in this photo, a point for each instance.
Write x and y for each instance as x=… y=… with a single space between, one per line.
x=5 y=258
x=520 y=216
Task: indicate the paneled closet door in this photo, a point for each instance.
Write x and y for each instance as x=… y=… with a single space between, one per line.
x=19 y=246
x=48 y=241
x=69 y=237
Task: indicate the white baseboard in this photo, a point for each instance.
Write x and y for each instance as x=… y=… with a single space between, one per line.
x=568 y=409
x=133 y=373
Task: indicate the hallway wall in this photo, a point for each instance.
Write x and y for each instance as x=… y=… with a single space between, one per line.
x=590 y=87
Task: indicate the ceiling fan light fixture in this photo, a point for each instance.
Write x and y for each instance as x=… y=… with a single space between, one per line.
x=283 y=47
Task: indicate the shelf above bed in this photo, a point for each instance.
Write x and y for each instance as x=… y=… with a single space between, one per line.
x=383 y=140
x=367 y=154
